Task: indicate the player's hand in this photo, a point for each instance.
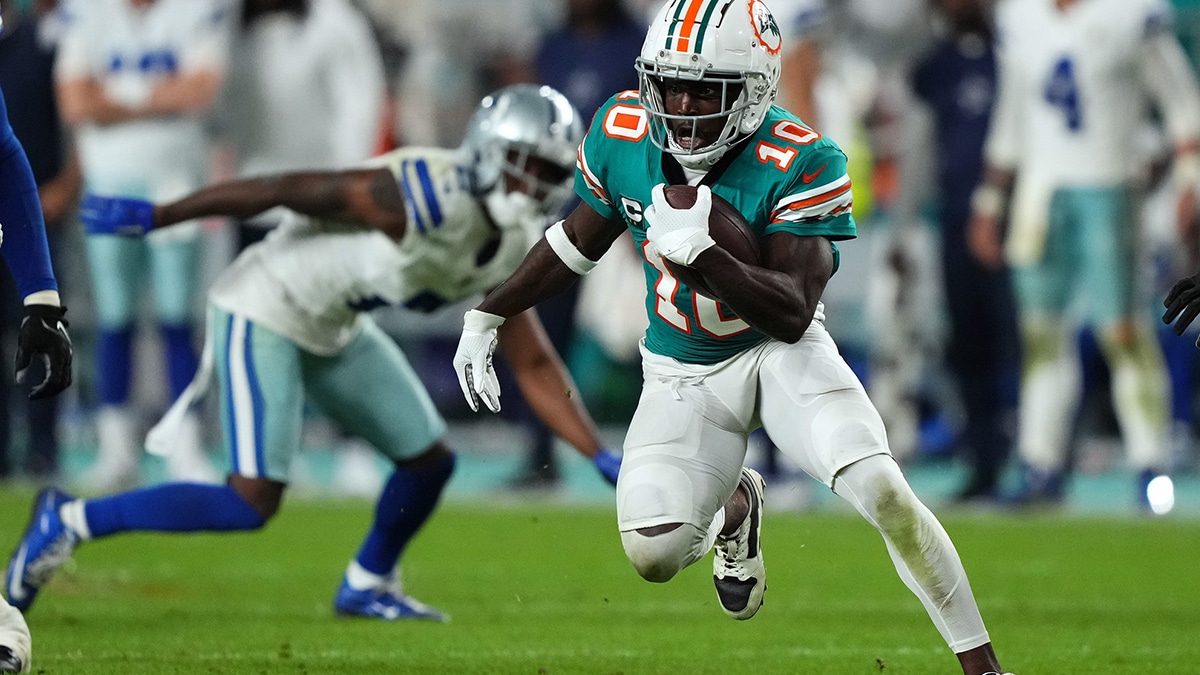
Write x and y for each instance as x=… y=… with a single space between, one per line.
x=116 y=215
x=44 y=333
x=1183 y=304
x=679 y=235
x=473 y=360
x=983 y=238
x=608 y=463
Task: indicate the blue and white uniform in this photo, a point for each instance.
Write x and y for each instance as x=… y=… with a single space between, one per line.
x=127 y=51
x=288 y=317
x=1075 y=84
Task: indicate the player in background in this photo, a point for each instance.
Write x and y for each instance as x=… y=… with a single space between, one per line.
x=419 y=227
x=43 y=331
x=715 y=371
x=1075 y=80
x=956 y=80
x=134 y=80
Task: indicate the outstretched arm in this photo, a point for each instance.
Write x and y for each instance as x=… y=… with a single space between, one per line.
x=549 y=268
x=543 y=274
x=367 y=197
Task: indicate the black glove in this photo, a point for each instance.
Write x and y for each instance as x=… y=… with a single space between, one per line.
x=44 y=332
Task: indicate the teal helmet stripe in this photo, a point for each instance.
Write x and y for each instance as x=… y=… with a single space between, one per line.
x=712 y=6
x=676 y=21
x=697 y=27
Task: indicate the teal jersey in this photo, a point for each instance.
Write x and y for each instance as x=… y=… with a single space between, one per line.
x=786 y=178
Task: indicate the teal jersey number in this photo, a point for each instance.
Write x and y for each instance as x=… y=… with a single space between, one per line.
x=787 y=178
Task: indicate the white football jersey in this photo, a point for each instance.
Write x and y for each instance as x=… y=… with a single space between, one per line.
x=1075 y=85
x=127 y=51
x=311 y=279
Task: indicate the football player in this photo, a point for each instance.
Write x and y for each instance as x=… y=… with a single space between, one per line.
x=287 y=321
x=717 y=370
x=43 y=332
x=1075 y=79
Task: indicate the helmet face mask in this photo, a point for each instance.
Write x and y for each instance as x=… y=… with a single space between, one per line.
x=732 y=46
x=522 y=143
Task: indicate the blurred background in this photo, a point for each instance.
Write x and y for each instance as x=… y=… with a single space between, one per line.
x=327 y=83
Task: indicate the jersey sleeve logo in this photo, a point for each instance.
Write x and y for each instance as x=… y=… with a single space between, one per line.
x=810 y=177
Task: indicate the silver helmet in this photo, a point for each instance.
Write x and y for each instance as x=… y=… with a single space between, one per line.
x=510 y=127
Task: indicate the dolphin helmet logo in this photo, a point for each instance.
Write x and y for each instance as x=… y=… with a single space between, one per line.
x=765 y=28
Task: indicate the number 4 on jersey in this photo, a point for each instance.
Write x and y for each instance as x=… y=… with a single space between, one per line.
x=1062 y=92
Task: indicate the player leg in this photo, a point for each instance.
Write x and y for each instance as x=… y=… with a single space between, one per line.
x=1051 y=379
x=683 y=488
x=116 y=265
x=261 y=400
x=815 y=409
x=173 y=274
x=16 y=651
x=1140 y=389
x=370 y=389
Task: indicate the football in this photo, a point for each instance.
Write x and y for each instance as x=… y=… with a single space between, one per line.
x=728 y=228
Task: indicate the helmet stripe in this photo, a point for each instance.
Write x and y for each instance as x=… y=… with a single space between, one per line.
x=712 y=7
x=675 y=23
x=687 y=25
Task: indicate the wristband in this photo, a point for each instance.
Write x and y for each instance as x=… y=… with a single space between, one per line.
x=1186 y=171
x=987 y=200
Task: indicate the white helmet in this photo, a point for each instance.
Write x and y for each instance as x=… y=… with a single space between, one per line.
x=510 y=126
x=726 y=43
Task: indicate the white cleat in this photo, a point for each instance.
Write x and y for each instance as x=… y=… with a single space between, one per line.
x=738 y=570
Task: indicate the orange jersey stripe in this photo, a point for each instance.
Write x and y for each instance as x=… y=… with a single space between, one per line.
x=823 y=197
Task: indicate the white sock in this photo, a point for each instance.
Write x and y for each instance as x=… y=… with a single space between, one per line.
x=360 y=579
x=74 y=517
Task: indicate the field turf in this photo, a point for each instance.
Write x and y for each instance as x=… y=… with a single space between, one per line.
x=541 y=589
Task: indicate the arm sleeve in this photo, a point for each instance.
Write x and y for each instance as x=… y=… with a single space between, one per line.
x=24 y=246
x=1172 y=84
x=1002 y=147
x=356 y=87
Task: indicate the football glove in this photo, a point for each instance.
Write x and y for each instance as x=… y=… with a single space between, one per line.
x=44 y=333
x=473 y=360
x=679 y=235
x=608 y=463
x=1183 y=304
x=116 y=215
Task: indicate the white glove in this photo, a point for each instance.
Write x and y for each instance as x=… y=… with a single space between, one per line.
x=679 y=235
x=473 y=360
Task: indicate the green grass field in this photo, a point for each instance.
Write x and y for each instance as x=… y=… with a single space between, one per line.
x=546 y=590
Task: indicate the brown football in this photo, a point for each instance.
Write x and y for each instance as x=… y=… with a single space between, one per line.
x=728 y=228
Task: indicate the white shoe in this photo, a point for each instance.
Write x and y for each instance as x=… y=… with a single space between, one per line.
x=738 y=570
x=118 y=457
x=358 y=473
x=187 y=461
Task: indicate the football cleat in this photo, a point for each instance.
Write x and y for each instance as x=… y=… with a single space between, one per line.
x=9 y=663
x=738 y=570
x=45 y=546
x=389 y=604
